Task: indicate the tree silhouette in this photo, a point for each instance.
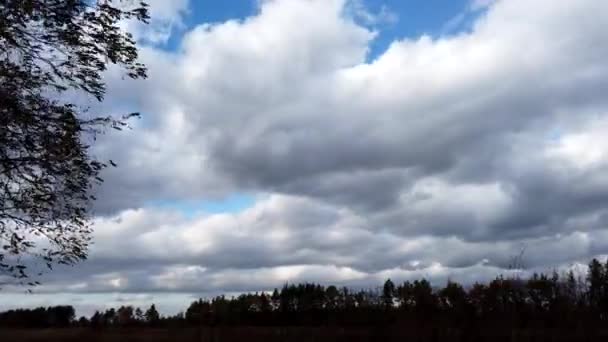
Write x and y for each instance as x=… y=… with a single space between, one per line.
x=109 y=317
x=152 y=315
x=388 y=293
x=97 y=320
x=139 y=315
x=595 y=280
x=46 y=171
x=125 y=316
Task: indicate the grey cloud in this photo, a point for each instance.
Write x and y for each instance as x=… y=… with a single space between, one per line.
x=257 y=250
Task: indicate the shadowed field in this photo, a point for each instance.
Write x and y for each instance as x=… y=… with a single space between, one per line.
x=299 y=334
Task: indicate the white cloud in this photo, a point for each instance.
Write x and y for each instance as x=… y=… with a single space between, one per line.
x=476 y=5
x=166 y=16
x=358 y=10
x=585 y=149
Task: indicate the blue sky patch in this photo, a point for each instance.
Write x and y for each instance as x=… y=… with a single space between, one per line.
x=231 y=204
x=413 y=18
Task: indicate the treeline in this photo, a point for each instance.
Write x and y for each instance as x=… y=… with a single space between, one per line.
x=52 y=317
x=541 y=302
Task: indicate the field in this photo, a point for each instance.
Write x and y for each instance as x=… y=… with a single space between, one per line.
x=234 y=334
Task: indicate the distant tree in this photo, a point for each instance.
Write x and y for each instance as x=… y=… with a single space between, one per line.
x=425 y=299
x=265 y=303
x=97 y=320
x=595 y=283
x=388 y=293
x=453 y=297
x=541 y=292
x=83 y=322
x=125 y=315
x=49 y=48
x=287 y=302
x=604 y=292
x=363 y=299
x=152 y=315
x=349 y=299
x=331 y=297
x=198 y=312
x=60 y=316
x=404 y=294
x=275 y=299
x=139 y=315
x=478 y=298
x=109 y=317
x=571 y=288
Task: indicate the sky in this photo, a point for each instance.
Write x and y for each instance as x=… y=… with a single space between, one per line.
x=346 y=142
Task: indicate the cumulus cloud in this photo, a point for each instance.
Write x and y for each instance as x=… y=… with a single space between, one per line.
x=165 y=18
x=358 y=10
x=288 y=239
x=442 y=157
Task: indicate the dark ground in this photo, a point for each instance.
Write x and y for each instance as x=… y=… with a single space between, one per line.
x=303 y=334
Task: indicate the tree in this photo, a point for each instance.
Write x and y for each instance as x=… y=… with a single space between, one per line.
x=265 y=304
x=595 y=279
x=139 y=315
x=572 y=289
x=49 y=48
x=152 y=315
x=604 y=291
x=453 y=297
x=331 y=297
x=109 y=317
x=97 y=320
x=83 y=322
x=425 y=300
x=405 y=296
x=125 y=315
x=541 y=291
x=275 y=299
x=198 y=312
x=388 y=292
x=61 y=316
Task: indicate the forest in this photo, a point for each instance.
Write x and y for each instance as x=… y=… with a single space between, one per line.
x=568 y=306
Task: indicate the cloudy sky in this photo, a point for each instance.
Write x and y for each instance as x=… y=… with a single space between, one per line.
x=345 y=142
